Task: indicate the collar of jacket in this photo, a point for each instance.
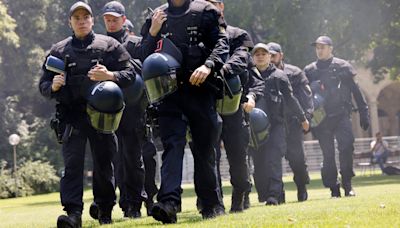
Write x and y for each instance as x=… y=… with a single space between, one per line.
x=120 y=35
x=83 y=43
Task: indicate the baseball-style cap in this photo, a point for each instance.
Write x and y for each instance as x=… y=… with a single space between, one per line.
x=114 y=8
x=260 y=46
x=274 y=48
x=80 y=5
x=323 y=40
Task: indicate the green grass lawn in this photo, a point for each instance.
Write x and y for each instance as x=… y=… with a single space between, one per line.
x=377 y=205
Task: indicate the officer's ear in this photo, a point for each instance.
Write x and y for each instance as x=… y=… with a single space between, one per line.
x=222 y=6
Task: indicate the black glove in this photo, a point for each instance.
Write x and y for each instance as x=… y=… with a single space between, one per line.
x=364 y=121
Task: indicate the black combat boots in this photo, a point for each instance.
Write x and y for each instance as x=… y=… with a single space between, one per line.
x=302 y=194
x=348 y=190
x=94 y=211
x=335 y=191
x=237 y=201
x=246 y=200
x=105 y=215
x=72 y=220
x=133 y=211
x=165 y=212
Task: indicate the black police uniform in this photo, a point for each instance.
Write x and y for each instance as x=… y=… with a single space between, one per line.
x=196 y=30
x=267 y=160
x=130 y=173
x=295 y=139
x=235 y=131
x=82 y=56
x=338 y=85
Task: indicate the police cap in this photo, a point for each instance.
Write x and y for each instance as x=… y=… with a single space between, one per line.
x=260 y=46
x=80 y=5
x=323 y=40
x=274 y=48
x=114 y=8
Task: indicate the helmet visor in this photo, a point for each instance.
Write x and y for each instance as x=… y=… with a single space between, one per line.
x=159 y=87
x=228 y=106
x=106 y=123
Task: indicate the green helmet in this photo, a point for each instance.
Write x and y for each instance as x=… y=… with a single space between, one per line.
x=229 y=104
x=105 y=105
x=259 y=128
x=159 y=75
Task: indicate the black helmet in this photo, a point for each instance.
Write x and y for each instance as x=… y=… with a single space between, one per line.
x=259 y=128
x=229 y=104
x=159 y=75
x=134 y=92
x=105 y=105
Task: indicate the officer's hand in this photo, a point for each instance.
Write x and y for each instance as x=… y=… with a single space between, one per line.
x=100 y=73
x=199 y=75
x=58 y=81
x=364 y=121
x=159 y=17
x=249 y=105
x=305 y=125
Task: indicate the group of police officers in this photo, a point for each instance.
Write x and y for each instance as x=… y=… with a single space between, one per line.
x=205 y=83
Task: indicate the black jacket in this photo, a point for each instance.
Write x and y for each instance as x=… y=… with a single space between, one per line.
x=301 y=89
x=82 y=56
x=337 y=77
x=278 y=95
x=197 y=29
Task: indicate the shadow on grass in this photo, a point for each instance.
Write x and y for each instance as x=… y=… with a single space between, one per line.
x=377 y=179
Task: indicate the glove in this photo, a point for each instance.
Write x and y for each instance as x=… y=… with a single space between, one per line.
x=364 y=121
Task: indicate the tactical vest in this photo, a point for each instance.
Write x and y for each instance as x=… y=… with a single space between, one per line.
x=184 y=31
x=272 y=102
x=79 y=63
x=335 y=91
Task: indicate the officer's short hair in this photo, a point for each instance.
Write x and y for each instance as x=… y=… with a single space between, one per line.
x=80 y=5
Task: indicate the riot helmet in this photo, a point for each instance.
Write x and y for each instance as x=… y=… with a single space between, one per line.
x=318 y=100
x=159 y=75
x=259 y=128
x=105 y=105
x=134 y=92
x=229 y=103
x=319 y=112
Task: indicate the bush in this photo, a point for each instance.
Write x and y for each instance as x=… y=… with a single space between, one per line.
x=33 y=177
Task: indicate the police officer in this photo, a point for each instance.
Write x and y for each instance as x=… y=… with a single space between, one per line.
x=129 y=162
x=88 y=57
x=195 y=28
x=336 y=79
x=128 y=26
x=267 y=158
x=235 y=132
x=295 y=141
